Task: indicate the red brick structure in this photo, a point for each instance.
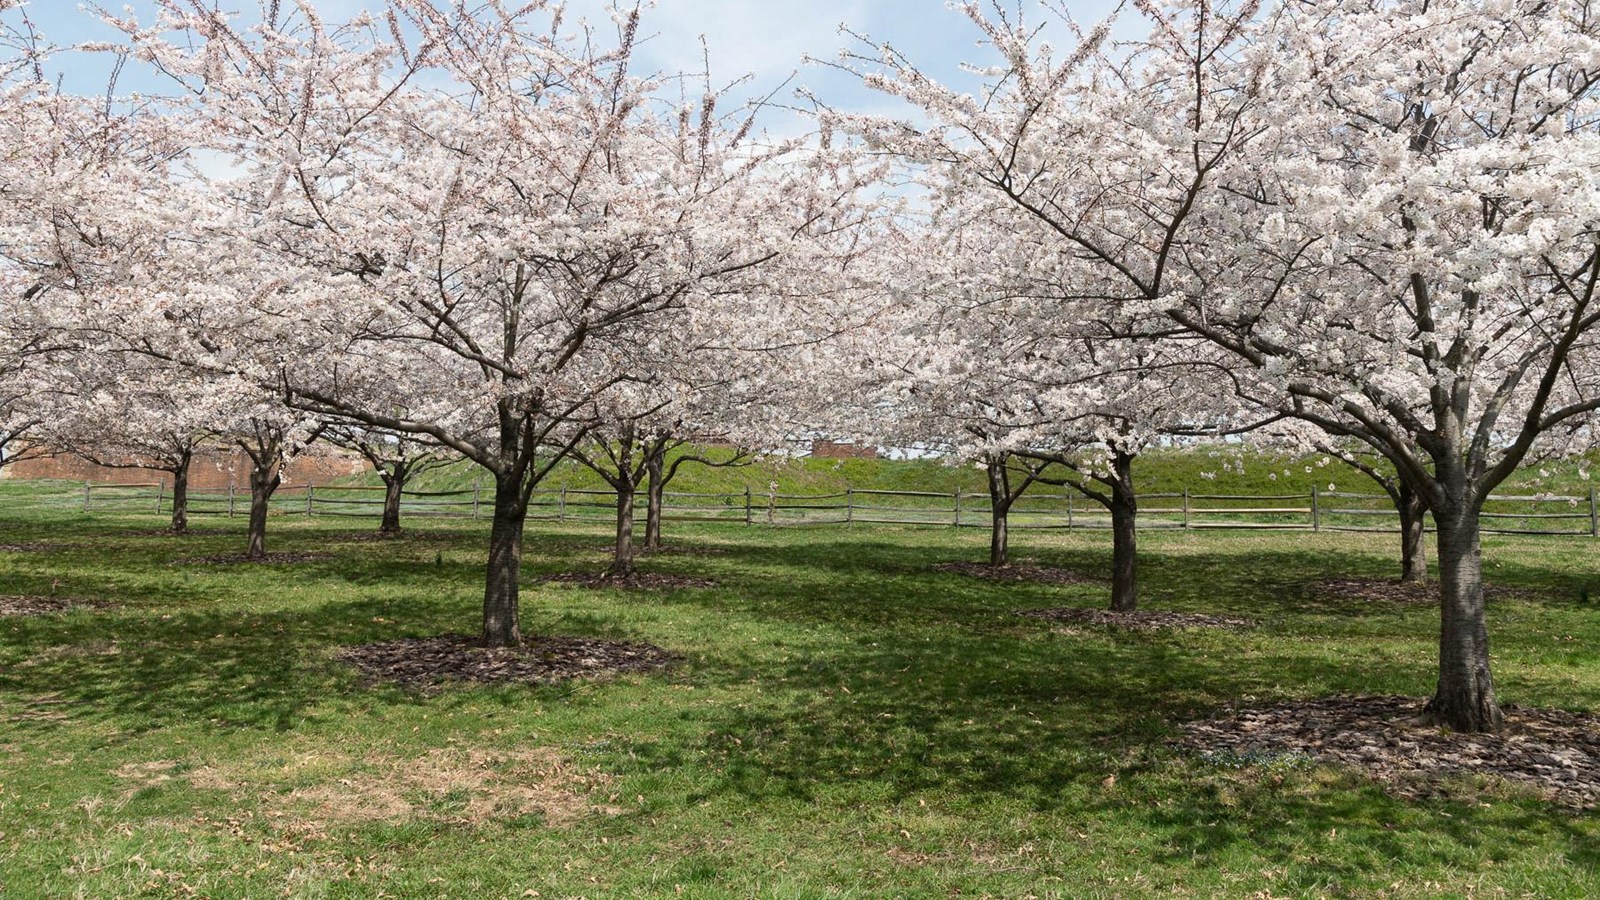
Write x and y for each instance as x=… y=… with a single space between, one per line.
x=836 y=450
x=212 y=470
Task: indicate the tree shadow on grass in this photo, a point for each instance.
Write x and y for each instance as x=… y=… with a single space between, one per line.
x=221 y=666
x=1047 y=723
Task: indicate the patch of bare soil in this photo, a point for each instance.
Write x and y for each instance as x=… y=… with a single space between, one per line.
x=1384 y=590
x=1553 y=752
x=1139 y=620
x=32 y=547
x=229 y=559
x=1016 y=572
x=638 y=581
x=24 y=605
x=431 y=661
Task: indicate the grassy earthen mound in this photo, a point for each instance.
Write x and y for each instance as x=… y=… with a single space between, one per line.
x=429 y=662
x=1553 y=752
x=1138 y=620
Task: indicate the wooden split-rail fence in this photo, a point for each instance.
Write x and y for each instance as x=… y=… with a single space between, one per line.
x=1314 y=511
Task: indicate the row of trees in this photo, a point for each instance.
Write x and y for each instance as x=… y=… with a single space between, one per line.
x=1367 y=226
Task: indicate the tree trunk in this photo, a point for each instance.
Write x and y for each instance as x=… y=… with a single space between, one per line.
x=263 y=481
x=1464 y=700
x=180 y=496
x=622 y=556
x=1413 y=546
x=500 y=619
x=655 y=495
x=392 y=486
x=1124 y=541
x=999 y=510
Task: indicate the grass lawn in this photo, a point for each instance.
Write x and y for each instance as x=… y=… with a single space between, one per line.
x=846 y=722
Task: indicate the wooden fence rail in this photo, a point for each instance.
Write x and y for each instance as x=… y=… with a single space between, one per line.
x=1314 y=511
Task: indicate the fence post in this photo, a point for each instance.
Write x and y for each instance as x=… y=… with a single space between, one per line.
x=1186 y=506
x=1068 y=495
x=161 y=494
x=1316 y=511
x=958 y=508
x=230 y=499
x=749 y=513
x=310 y=489
x=1594 y=515
x=772 y=502
x=561 y=505
x=477 y=488
x=86 y=496
x=849 y=504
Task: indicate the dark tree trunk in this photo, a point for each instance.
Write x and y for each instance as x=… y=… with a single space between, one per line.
x=263 y=481
x=1413 y=546
x=622 y=556
x=655 y=495
x=1124 y=540
x=999 y=510
x=500 y=619
x=393 y=484
x=180 y=495
x=1464 y=700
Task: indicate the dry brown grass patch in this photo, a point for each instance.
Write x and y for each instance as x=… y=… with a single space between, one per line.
x=459 y=785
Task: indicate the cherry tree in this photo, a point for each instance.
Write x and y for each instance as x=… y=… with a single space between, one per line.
x=1410 y=505
x=74 y=174
x=726 y=373
x=1380 y=207
x=396 y=457
x=1005 y=359
x=20 y=412
x=126 y=411
x=1436 y=261
x=493 y=208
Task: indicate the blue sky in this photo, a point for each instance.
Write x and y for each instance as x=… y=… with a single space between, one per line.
x=767 y=39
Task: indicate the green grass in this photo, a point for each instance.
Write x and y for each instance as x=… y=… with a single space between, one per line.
x=1157 y=471
x=846 y=722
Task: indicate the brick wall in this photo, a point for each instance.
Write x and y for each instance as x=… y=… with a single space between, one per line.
x=212 y=470
x=834 y=450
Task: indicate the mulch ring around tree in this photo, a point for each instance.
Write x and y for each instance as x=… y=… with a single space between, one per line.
x=1384 y=590
x=33 y=547
x=668 y=550
x=229 y=559
x=1138 y=620
x=24 y=605
x=1554 y=752
x=638 y=581
x=375 y=537
x=429 y=662
x=1017 y=572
